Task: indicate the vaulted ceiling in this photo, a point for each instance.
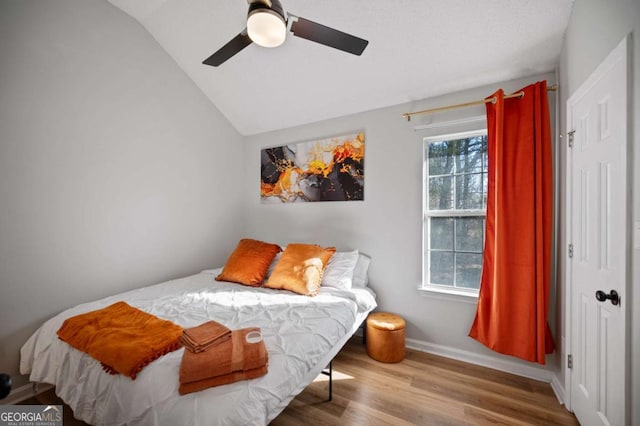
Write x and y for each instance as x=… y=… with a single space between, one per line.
x=417 y=49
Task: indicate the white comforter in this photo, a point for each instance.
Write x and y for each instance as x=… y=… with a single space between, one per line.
x=302 y=334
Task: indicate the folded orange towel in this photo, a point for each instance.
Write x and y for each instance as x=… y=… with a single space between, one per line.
x=200 y=338
x=123 y=338
x=236 y=354
x=225 y=379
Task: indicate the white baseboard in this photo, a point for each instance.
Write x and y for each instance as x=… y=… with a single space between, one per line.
x=27 y=391
x=558 y=389
x=529 y=371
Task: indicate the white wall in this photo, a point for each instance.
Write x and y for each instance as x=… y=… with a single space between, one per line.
x=388 y=224
x=595 y=28
x=115 y=170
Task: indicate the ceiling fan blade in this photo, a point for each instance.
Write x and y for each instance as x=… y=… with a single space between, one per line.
x=328 y=36
x=234 y=46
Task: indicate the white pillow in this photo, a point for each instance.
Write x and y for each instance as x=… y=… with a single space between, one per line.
x=360 y=276
x=272 y=266
x=339 y=271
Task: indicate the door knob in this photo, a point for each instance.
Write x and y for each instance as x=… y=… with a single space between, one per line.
x=613 y=296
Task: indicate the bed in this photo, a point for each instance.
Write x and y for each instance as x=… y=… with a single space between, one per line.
x=302 y=334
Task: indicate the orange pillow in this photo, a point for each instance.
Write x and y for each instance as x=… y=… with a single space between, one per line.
x=249 y=262
x=300 y=268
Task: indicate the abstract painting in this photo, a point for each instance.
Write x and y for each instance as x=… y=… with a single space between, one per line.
x=330 y=169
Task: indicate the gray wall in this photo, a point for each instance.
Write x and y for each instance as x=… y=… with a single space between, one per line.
x=388 y=224
x=115 y=170
x=595 y=28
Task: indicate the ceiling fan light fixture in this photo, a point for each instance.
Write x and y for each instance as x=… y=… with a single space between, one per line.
x=266 y=27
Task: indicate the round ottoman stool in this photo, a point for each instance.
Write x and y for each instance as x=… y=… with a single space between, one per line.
x=385 y=337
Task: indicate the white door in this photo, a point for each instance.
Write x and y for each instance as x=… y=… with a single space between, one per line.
x=597 y=226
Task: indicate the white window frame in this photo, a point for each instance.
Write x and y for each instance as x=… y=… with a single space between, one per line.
x=442 y=289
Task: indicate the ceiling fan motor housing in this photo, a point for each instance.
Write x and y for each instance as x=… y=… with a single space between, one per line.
x=266 y=6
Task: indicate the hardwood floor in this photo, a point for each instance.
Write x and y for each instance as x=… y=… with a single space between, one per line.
x=423 y=389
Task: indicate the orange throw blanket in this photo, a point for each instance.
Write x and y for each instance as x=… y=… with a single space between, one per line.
x=123 y=338
x=230 y=361
x=200 y=338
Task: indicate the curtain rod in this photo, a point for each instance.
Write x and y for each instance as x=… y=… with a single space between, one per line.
x=520 y=94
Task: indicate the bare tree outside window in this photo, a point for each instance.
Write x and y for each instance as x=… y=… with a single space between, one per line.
x=455 y=194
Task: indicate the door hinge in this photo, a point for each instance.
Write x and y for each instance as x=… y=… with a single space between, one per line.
x=570 y=251
x=569 y=361
x=570 y=134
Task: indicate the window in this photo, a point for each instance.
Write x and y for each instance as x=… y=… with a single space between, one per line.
x=455 y=198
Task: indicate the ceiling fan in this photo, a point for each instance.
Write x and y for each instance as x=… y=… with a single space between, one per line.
x=267 y=25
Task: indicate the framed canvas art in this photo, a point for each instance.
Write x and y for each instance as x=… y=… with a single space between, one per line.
x=330 y=169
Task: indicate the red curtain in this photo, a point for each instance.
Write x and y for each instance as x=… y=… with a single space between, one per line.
x=514 y=291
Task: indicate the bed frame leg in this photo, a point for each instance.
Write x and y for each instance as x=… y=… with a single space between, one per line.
x=329 y=372
x=364 y=334
x=330 y=380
